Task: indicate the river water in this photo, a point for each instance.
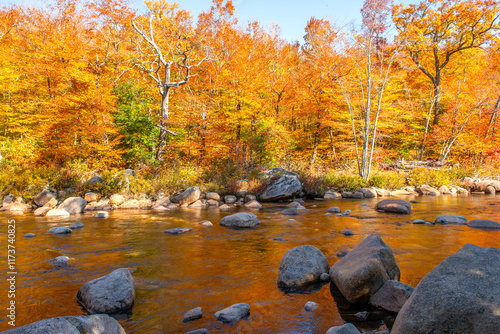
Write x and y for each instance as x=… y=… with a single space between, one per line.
x=217 y=267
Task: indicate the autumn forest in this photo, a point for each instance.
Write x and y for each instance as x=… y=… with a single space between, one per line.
x=96 y=82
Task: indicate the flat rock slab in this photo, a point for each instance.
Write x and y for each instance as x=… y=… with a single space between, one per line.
x=233 y=312
x=484 y=224
x=394 y=206
x=112 y=293
x=460 y=295
x=451 y=219
x=60 y=230
x=364 y=270
x=91 y=324
x=240 y=220
x=178 y=230
x=301 y=266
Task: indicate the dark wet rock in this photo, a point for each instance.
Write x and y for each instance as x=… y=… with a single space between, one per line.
x=325 y=277
x=112 y=293
x=43 y=197
x=90 y=324
x=76 y=226
x=193 y=314
x=310 y=306
x=290 y=212
x=287 y=186
x=279 y=239
x=429 y=223
x=392 y=296
x=361 y=316
x=233 y=312
x=178 y=230
x=344 y=329
x=253 y=205
x=460 y=295
x=198 y=331
x=102 y=214
x=60 y=261
x=415 y=202
x=73 y=205
x=484 y=224
x=30 y=235
x=334 y=210
x=394 y=206
x=342 y=253
x=240 y=220
x=187 y=196
x=427 y=190
x=301 y=266
x=451 y=219
x=419 y=221
x=206 y=223
x=347 y=232
x=249 y=198
x=60 y=230
x=230 y=199
x=365 y=269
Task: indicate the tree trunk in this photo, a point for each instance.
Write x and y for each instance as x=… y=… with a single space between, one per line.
x=162 y=140
x=315 y=148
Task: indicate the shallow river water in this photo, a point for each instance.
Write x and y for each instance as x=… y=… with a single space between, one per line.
x=217 y=267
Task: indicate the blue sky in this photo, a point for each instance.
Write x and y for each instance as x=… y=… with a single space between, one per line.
x=290 y=15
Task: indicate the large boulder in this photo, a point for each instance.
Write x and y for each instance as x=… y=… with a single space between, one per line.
x=451 y=219
x=187 y=196
x=368 y=192
x=240 y=220
x=287 y=186
x=91 y=324
x=394 y=206
x=484 y=224
x=73 y=205
x=364 y=270
x=108 y=294
x=427 y=190
x=43 y=197
x=301 y=266
x=460 y=295
x=391 y=296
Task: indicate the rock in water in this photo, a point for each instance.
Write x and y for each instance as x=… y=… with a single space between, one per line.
x=76 y=226
x=193 y=314
x=188 y=196
x=364 y=270
x=310 y=306
x=108 y=294
x=60 y=230
x=233 y=312
x=60 y=261
x=301 y=266
x=178 y=230
x=484 y=224
x=240 y=220
x=392 y=296
x=290 y=211
x=344 y=329
x=394 y=206
x=460 y=295
x=451 y=219
x=287 y=186
x=91 y=324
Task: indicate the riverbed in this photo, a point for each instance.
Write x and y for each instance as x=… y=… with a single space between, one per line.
x=217 y=267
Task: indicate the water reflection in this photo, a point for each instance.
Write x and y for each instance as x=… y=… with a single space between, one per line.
x=217 y=267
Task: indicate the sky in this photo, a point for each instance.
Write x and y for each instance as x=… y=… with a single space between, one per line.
x=290 y=15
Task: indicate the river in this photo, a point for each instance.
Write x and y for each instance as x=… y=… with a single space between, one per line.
x=217 y=267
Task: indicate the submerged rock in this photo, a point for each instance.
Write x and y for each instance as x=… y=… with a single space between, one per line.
x=90 y=324
x=460 y=295
x=233 y=312
x=178 y=230
x=301 y=266
x=364 y=270
x=112 y=293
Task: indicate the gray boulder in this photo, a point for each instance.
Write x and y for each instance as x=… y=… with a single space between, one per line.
x=76 y=226
x=253 y=205
x=233 y=312
x=60 y=261
x=230 y=199
x=187 y=196
x=90 y=324
x=344 y=329
x=108 y=294
x=394 y=206
x=60 y=230
x=193 y=314
x=301 y=266
x=460 y=295
x=334 y=210
x=451 y=219
x=43 y=197
x=484 y=224
x=392 y=296
x=73 y=205
x=287 y=186
x=364 y=270
x=240 y=220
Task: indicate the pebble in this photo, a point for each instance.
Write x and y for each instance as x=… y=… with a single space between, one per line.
x=325 y=277
x=310 y=306
x=347 y=232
